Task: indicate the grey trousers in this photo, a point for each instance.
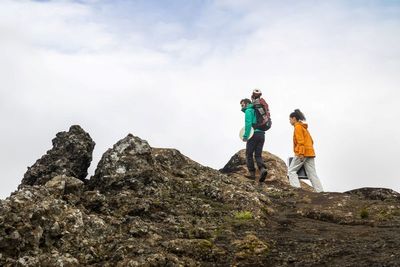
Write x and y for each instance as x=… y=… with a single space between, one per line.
x=309 y=165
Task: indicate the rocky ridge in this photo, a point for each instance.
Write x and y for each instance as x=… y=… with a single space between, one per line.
x=149 y=206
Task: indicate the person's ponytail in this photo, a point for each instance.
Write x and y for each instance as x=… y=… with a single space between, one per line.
x=298 y=115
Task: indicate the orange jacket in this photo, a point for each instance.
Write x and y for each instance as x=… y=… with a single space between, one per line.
x=302 y=141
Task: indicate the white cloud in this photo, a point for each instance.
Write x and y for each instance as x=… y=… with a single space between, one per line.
x=63 y=63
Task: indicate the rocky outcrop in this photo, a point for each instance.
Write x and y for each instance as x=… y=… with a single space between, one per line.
x=126 y=165
x=375 y=193
x=156 y=207
x=71 y=156
x=276 y=167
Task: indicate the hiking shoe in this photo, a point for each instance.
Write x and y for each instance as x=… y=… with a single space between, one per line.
x=251 y=175
x=263 y=174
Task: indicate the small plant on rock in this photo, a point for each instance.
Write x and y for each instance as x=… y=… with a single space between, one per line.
x=243 y=215
x=364 y=214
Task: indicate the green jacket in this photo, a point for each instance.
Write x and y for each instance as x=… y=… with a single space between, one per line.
x=249 y=120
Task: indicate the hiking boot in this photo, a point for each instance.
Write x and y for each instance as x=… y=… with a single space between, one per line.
x=251 y=175
x=263 y=174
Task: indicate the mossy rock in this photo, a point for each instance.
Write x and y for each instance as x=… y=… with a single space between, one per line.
x=250 y=248
x=243 y=215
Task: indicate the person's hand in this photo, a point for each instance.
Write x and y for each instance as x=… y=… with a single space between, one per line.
x=301 y=157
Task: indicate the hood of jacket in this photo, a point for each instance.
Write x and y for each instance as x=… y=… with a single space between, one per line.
x=302 y=124
x=247 y=107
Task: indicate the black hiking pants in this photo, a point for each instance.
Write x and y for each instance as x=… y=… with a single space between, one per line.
x=254 y=147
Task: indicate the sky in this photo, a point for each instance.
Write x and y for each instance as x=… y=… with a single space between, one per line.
x=173 y=72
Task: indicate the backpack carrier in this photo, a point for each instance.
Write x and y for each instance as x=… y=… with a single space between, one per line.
x=263 y=116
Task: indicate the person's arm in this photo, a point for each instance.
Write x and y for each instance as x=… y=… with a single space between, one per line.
x=299 y=135
x=248 y=123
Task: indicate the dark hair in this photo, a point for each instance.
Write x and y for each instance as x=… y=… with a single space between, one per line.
x=245 y=100
x=298 y=115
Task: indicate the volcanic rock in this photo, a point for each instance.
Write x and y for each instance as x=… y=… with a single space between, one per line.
x=128 y=164
x=276 y=167
x=156 y=207
x=70 y=156
x=375 y=193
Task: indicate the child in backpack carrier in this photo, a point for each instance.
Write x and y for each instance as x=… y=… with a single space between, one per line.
x=262 y=111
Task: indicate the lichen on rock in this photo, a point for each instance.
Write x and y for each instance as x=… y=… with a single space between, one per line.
x=128 y=164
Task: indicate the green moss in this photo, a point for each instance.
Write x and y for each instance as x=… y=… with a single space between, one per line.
x=266 y=210
x=281 y=194
x=251 y=247
x=396 y=212
x=243 y=215
x=206 y=244
x=385 y=215
x=364 y=214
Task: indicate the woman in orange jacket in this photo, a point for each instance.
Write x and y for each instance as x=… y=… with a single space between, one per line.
x=304 y=152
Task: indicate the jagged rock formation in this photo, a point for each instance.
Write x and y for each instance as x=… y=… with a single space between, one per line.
x=276 y=167
x=71 y=155
x=156 y=207
x=128 y=163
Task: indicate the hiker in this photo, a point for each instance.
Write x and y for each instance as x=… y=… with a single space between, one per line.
x=254 y=145
x=304 y=152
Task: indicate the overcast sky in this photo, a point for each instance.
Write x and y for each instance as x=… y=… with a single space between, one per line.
x=173 y=73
